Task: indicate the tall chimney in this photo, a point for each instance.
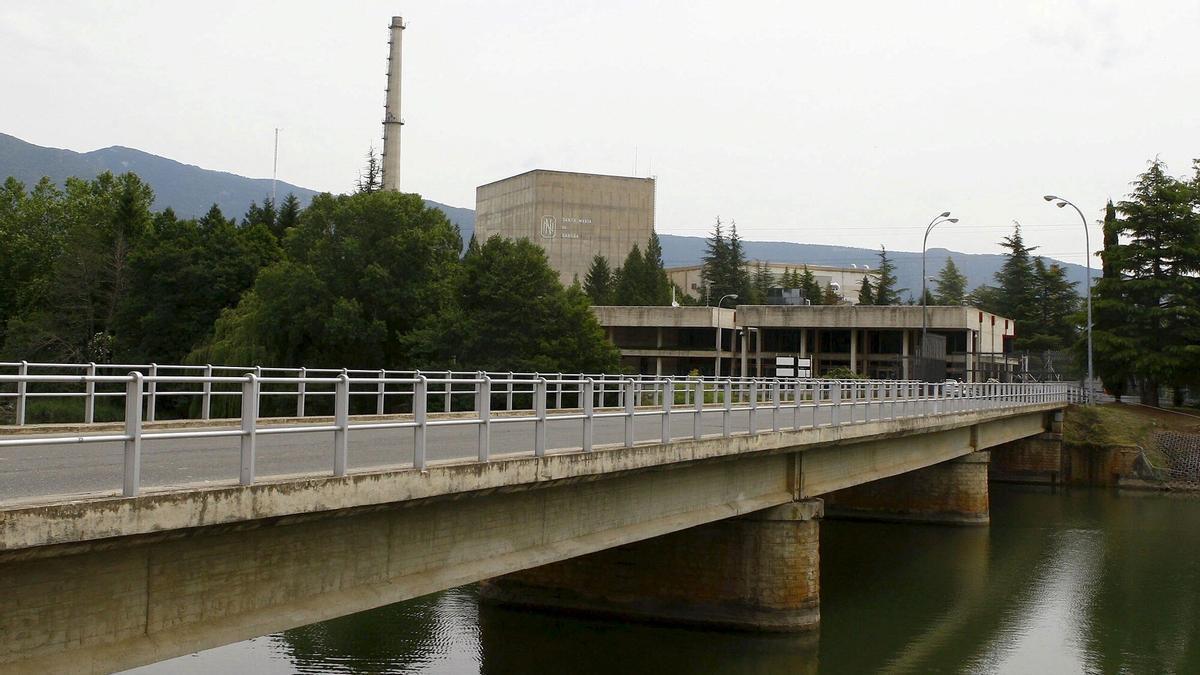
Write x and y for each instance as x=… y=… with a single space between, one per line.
x=391 y=110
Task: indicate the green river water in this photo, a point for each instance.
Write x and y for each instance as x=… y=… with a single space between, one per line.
x=1075 y=581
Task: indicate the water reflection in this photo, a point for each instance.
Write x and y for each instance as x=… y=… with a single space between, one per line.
x=1080 y=581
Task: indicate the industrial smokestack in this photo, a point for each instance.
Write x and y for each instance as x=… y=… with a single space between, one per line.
x=391 y=110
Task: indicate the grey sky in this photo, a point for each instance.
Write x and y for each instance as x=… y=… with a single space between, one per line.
x=818 y=122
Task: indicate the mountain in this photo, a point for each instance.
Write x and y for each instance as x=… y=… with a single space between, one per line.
x=191 y=190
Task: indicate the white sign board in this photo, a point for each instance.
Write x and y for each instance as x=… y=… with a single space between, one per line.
x=790 y=366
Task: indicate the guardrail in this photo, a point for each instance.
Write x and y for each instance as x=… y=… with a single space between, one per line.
x=585 y=399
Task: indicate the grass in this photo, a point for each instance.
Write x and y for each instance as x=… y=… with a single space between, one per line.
x=1117 y=424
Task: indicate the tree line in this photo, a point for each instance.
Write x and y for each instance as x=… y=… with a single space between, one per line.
x=90 y=272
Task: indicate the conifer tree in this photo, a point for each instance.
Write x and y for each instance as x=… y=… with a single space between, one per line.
x=866 y=296
x=886 y=292
x=598 y=282
x=951 y=285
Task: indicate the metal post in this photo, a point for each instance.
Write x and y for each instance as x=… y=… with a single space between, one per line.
x=301 y=389
x=752 y=425
x=628 y=395
x=249 y=422
x=775 y=401
x=152 y=393
x=379 y=392
x=835 y=400
x=206 y=400
x=727 y=413
x=668 y=396
x=508 y=404
x=89 y=406
x=133 y=435
x=484 y=406
x=22 y=392
x=449 y=390
x=341 y=420
x=420 y=416
x=558 y=387
x=539 y=424
x=589 y=410
x=698 y=418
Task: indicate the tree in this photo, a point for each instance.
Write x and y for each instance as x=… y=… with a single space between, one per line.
x=370 y=179
x=655 y=280
x=289 y=215
x=1052 y=325
x=951 y=285
x=1113 y=346
x=598 y=284
x=866 y=296
x=184 y=273
x=830 y=296
x=32 y=233
x=762 y=282
x=75 y=316
x=513 y=314
x=811 y=289
x=1159 y=263
x=359 y=273
x=1016 y=280
x=886 y=292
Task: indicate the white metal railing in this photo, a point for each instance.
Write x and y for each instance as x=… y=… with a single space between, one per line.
x=787 y=404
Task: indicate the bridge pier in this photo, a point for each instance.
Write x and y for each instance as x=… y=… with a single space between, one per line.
x=1037 y=459
x=953 y=492
x=757 y=572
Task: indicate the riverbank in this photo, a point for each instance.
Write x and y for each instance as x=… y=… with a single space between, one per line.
x=1131 y=446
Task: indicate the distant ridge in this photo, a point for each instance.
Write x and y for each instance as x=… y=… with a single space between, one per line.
x=191 y=190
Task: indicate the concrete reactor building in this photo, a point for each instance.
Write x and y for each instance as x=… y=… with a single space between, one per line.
x=572 y=216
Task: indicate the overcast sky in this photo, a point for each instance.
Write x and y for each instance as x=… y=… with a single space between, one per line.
x=839 y=123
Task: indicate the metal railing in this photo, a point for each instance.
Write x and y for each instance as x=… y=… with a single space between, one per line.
x=788 y=404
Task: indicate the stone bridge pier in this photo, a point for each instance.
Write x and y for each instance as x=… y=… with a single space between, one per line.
x=953 y=492
x=760 y=572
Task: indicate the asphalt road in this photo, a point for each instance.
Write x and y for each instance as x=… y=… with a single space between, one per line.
x=37 y=473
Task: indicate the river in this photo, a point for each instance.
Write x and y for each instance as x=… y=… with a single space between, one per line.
x=1074 y=581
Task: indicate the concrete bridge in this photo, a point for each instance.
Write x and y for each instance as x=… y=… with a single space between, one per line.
x=692 y=501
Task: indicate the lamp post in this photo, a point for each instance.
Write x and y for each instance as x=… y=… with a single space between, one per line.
x=1060 y=203
x=729 y=295
x=943 y=218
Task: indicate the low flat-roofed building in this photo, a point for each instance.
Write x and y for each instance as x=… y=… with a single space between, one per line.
x=874 y=341
x=846 y=281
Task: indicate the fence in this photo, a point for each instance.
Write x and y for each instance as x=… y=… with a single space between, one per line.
x=527 y=398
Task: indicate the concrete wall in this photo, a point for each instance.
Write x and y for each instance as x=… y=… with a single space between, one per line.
x=849 y=280
x=573 y=216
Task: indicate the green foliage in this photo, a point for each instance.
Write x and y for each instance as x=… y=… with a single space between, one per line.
x=371 y=177
x=830 y=296
x=811 y=289
x=642 y=279
x=951 y=285
x=513 y=314
x=841 y=373
x=724 y=269
x=1114 y=348
x=359 y=271
x=866 y=295
x=762 y=281
x=598 y=284
x=1158 y=288
x=183 y=274
x=1016 y=280
x=69 y=309
x=886 y=292
x=32 y=232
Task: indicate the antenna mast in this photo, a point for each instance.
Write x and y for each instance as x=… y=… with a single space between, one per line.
x=391 y=110
x=275 y=168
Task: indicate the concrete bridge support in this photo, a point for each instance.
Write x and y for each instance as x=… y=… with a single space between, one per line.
x=1037 y=459
x=756 y=572
x=953 y=492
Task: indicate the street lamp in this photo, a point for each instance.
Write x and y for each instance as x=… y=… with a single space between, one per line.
x=1090 y=398
x=730 y=295
x=943 y=218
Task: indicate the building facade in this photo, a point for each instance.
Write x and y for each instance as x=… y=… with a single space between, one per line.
x=873 y=341
x=572 y=216
x=846 y=281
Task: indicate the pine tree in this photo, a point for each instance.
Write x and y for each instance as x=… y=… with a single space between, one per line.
x=371 y=179
x=830 y=296
x=738 y=271
x=716 y=256
x=658 y=285
x=811 y=289
x=866 y=296
x=951 y=285
x=886 y=292
x=761 y=283
x=628 y=288
x=289 y=215
x=1113 y=347
x=1016 y=280
x=598 y=282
